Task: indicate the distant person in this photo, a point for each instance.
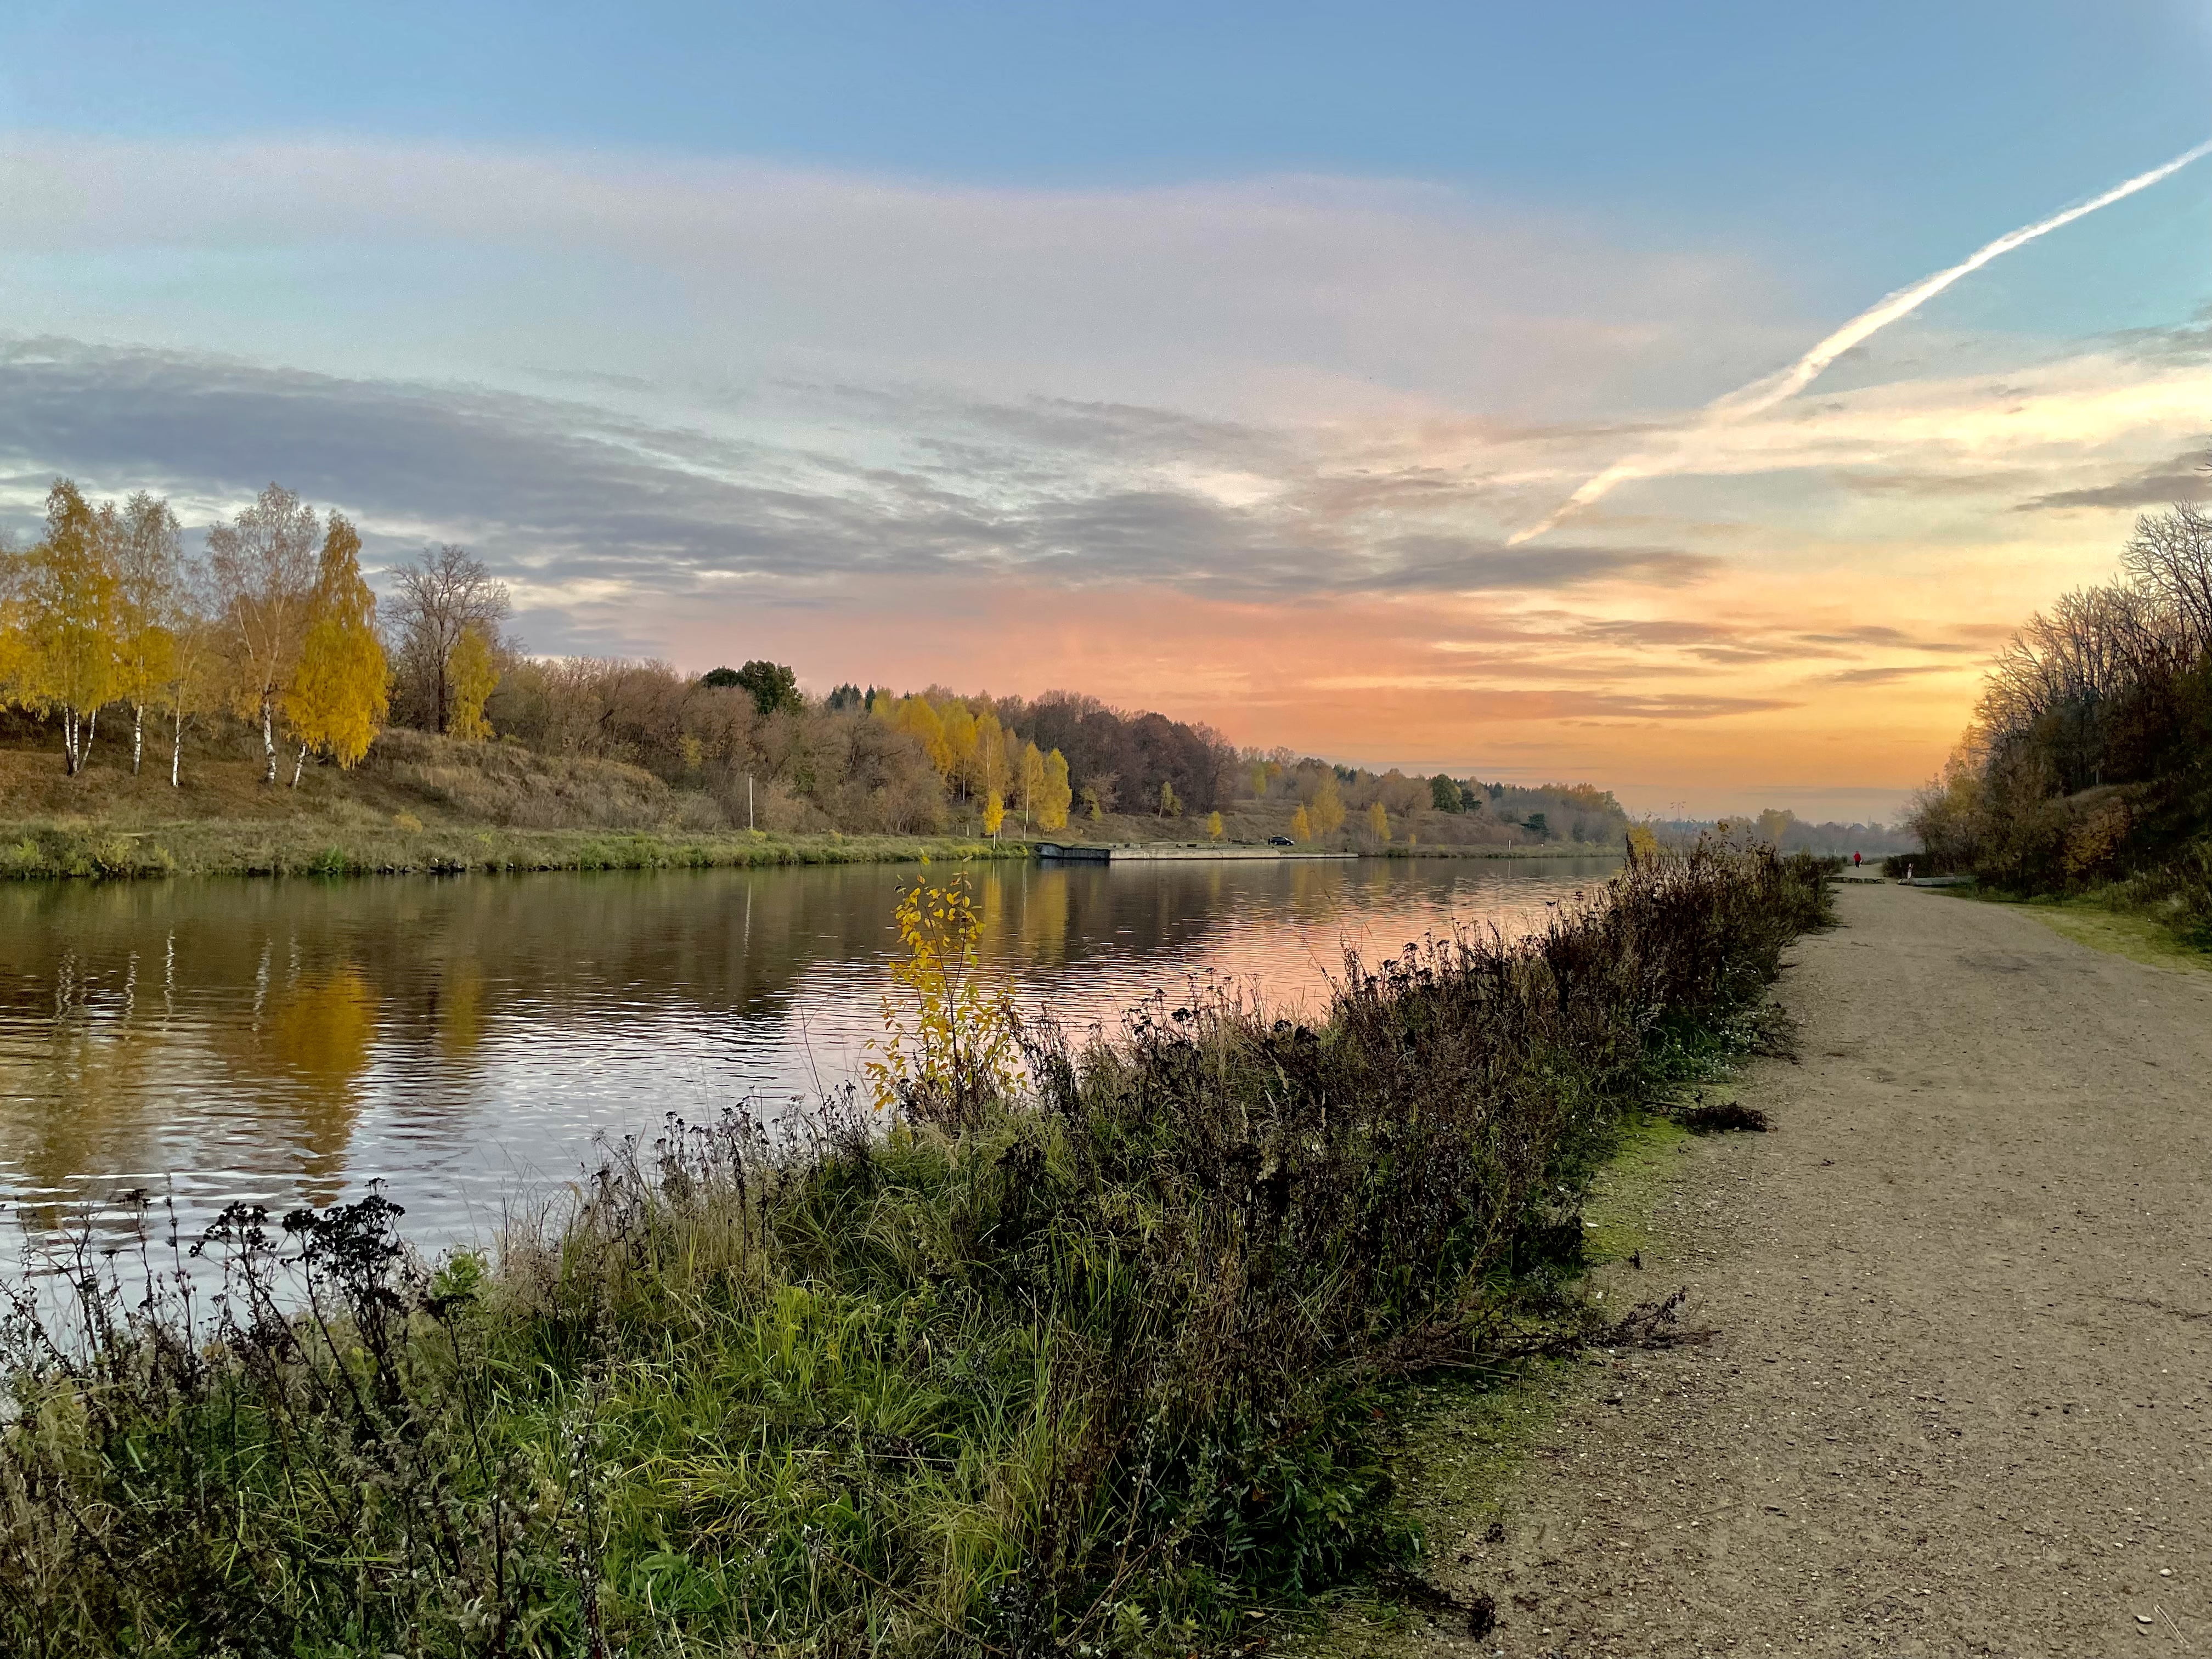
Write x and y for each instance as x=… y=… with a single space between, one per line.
x=1855 y=861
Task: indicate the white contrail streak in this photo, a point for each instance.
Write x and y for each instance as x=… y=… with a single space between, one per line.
x=1763 y=394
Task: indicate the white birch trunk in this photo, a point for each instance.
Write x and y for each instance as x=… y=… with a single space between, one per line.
x=137 y=736
x=299 y=766
x=268 y=741
x=176 y=750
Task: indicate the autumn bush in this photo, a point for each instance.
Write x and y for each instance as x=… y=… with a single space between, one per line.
x=1090 y=1362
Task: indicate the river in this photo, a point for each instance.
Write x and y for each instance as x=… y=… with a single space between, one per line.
x=466 y=1041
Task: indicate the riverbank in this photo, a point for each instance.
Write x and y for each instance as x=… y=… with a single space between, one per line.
x=420 y=804
x=1102 y=1363
x=1950 y=1403
x=91 y=849
x=291 y=848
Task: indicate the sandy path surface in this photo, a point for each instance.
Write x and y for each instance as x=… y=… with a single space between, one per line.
x=1961 y=1399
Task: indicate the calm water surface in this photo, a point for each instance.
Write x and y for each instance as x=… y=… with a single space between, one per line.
x=464 y=1041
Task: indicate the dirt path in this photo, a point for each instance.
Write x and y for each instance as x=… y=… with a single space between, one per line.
x=1960 y=1400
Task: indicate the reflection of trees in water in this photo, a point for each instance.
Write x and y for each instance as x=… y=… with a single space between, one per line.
x=249 y=1025
x=86 y=1055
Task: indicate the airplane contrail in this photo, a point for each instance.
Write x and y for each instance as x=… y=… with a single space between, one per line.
x=1763 y=394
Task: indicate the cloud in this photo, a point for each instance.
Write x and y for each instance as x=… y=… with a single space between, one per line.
x=2184 y=477
x=584 y=505
x=1297 y=295
x=1884 y=676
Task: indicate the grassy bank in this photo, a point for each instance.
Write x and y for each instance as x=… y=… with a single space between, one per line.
x=283 y=847
x=422 y=803
x=1100 y=1361
x=96 y=850
x=2116 y=920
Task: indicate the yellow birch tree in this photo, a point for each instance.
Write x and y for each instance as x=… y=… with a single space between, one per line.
x=1327 y=807
x=335 y=698
x=264 y=567
x=914 y=714
x=1213 y=826
x=149 y=544
x=70 y=604
x=1378 y=821
x=988 y=768
x=192 y=687
x=959 y=731
x=994 y=814
x=1053 y=795
x=471 y=676
x=1032 y=782
x=1301 y=825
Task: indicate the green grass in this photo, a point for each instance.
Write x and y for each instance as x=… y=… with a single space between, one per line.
x=2104 y=923
x=52 y=848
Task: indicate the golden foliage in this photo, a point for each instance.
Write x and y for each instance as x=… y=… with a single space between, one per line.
x=915 y=715
x=1327 y=807
x=1378 y=821
x=71 y=595
x=959 y=731
x=994 y=814
x=1213 y=826
x=1054 y=795
x=473 y=674
x=2092 y=845
x=1032 y=780
x=949 y=1033
x=335 y=702
x=1301 y=825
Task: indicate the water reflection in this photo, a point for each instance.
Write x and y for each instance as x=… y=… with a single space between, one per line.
x=286 y=1041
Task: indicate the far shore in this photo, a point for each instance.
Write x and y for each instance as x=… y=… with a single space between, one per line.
x=91 y=848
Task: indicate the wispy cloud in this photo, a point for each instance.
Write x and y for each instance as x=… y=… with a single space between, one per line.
x=2184 y=477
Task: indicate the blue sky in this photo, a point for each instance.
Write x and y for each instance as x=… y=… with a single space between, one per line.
x=839 y=301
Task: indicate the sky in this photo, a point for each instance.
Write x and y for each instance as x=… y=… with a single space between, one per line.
x=1203 y=358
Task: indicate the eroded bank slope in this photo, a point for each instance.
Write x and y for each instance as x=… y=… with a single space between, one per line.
x=1960 y=1400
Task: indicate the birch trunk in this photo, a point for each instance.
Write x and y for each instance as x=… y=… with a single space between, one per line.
x=299 y=766
x=176 y=751
x=137 y=736
x=268 y=740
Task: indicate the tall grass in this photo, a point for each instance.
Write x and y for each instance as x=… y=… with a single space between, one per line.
x=1088 y=1365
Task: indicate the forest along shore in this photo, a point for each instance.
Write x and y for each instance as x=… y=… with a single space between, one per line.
x=1960 y=1391
x=423 y=804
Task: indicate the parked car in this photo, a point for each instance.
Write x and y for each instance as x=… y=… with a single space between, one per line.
x=1280 y=840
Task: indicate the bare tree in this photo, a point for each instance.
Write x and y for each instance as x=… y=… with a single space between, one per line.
x=264 y=564
x=2171 y=557
x=442 y=595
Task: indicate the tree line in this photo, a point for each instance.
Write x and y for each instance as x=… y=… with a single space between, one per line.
x=270 y=625
x=2089 y=756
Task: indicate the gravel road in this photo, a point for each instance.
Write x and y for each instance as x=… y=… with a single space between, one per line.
x=1960 y=1397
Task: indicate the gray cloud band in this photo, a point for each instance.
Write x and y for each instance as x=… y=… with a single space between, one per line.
x=569 y=495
